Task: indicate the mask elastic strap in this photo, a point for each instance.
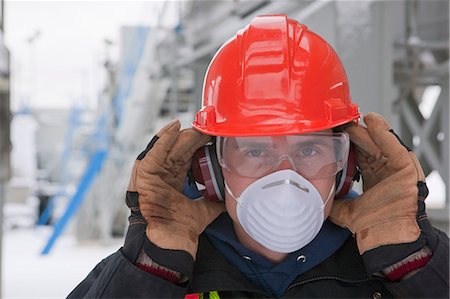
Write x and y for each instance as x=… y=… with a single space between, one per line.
x=329 y=195
x=230 y=192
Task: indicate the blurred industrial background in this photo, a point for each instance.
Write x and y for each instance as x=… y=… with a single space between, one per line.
x=66 y=167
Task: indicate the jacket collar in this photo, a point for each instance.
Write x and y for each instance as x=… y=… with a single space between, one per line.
x=213 y=271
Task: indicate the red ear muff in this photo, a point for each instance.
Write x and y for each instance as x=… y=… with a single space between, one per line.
x=348 y=175
x=206 y=171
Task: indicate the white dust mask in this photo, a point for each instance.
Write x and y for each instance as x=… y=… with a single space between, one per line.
x=282 y=211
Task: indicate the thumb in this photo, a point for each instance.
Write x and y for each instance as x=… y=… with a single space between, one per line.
x=208 y=210
x=341 y=213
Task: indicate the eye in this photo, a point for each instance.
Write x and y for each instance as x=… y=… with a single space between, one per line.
x=308 y=151
x=254 y=153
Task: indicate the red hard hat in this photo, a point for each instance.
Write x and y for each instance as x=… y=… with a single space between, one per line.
x=275 y=77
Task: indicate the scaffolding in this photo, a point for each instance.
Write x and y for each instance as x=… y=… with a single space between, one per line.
x=422 y=76
x=5 y=118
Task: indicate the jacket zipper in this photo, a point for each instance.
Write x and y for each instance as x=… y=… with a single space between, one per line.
x=300 y=283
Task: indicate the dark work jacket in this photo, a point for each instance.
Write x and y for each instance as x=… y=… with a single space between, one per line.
x=343 y=275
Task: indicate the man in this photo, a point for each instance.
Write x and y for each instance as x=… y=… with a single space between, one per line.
x=279 y=220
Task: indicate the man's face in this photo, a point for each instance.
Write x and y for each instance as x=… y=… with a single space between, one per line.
x=245 y=160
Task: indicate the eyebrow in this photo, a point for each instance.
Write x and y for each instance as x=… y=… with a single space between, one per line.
x=253 y=143
x=310 y=142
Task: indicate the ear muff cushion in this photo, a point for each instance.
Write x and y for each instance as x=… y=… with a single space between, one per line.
x=206 y=171
x=216 y=171
x=350 y=173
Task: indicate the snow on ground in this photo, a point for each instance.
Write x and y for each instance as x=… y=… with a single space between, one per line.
x=28 y=274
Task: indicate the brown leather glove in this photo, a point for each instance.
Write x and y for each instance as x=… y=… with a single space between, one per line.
x=386 y=213
x=173 y=220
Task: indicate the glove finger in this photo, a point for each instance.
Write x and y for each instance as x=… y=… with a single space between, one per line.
x=157 y=192
x=169 y=206
x=341 y=213
x=367 y=173
x=387 y=142
x=148 y=147
x=209 y=210
x=359 y=136
x=160 y=200
x=154 y=139
x=153 y=162
x=391 y=145
x=368 y=153
x=167 y=136
x=188 y=142
x=134 y=172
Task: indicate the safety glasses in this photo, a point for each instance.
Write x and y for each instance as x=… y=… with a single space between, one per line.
x=314 y=155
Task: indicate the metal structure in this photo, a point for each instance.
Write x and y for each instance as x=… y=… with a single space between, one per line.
x=5 y=114
x=5 y=117
x=422 y=75
x=133 y=121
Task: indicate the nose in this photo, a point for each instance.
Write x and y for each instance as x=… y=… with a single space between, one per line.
x=284 y=162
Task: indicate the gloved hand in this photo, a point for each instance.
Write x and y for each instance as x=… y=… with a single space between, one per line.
x=391 y=211
x=159 y=211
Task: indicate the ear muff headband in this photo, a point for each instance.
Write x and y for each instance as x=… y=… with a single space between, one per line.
x=339 y=180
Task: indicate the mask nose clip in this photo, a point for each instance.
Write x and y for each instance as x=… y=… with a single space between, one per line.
x=283 y=163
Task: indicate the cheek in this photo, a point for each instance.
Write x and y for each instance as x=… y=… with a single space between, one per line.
x=324 y=187
x=230 y=205
x=237 y=184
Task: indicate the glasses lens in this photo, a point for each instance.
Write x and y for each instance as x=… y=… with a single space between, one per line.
x=317 y=155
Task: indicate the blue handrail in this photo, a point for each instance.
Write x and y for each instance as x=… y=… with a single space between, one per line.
x=100 y=138
x=93 y=169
